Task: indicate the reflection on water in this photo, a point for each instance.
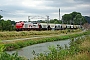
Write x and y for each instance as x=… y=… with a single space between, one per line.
x=38 y=48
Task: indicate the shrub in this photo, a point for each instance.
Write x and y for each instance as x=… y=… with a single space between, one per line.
x=6 y=56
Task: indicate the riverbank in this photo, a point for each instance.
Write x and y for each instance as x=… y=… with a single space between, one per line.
x=79 y=49
x=24 y=43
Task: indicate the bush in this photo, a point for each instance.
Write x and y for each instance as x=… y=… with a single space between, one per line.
x=74 y=52
x=6 y=56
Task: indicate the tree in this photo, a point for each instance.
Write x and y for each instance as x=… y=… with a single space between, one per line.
x=66 y=18
x=6 y=25
x=1 y=17
x=9 y=25
x=73 y=18
x=74 y=14
x=41 y=21
x=55 y=21
x=1 y=24
x=87 y=18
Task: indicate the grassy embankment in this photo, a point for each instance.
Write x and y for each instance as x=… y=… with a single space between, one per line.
x=10 y=35
x=79 y=50
x=24 y=43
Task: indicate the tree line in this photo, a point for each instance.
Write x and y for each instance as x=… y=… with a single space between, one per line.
x=87 y=18
x=75 y=18
x=6 y=25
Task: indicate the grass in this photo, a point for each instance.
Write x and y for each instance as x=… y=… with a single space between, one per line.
x=9 y=35
x=78 y=50
x=24 y=43
x=84 y=50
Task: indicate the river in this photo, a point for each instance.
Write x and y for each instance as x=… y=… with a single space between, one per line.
x=38 y=48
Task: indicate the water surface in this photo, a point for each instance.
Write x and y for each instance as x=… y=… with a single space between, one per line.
x=38 y=48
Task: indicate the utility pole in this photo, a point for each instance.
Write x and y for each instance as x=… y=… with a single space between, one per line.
x=59 y=14
x=28 y=18
x=47 y=21
x=62 y=21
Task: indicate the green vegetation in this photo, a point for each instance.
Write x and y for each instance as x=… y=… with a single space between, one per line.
x=71 y=18
x=20 y=44
x=79 y=49
x=6 y=25
x=74 y=18
x=5 y=56
x=55 y=21
x=1 y=16
x=87 y=18
x=8 y=35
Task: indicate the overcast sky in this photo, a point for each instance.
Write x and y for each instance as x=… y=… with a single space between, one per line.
x=19 y=10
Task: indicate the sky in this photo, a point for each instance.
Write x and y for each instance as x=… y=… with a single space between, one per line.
x=19 y=10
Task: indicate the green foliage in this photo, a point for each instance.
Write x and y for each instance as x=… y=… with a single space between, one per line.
x=10 y=35
x=6 y=56
x=1 y=17
x=87 y=18
x=69 y=53
x=2 y=47
x=56 y=53
x=73 y=18
x=66 y=18
x=6 y=25
x=56 y=21
x=20 y=44
x=14 y=56
x=41 y=21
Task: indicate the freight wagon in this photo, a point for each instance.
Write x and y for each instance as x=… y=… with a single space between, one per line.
x=27 y=26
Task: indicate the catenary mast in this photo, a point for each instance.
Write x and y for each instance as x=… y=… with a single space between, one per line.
x=59 y=14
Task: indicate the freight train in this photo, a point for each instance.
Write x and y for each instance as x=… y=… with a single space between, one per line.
x=27 y=26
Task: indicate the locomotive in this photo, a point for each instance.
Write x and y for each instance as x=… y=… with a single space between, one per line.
x=27 y=26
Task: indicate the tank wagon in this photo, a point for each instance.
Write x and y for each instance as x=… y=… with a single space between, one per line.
x=27 y=26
